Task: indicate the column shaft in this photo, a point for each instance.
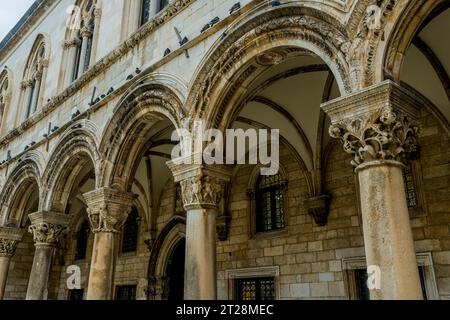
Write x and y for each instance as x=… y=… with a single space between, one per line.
x=4 y=268
x=200 y=272
x=387 y=231
x=102 y=267
x=83 y=53
x=40 y=272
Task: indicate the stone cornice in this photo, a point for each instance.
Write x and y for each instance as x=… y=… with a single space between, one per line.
x=169 y=13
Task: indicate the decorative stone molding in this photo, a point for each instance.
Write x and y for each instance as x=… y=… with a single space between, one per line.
x=108 y=209
x=67 y=44
x=377 y=123
x=202 y=186
x=9 y=239
x=47 y=227
x=319 y=208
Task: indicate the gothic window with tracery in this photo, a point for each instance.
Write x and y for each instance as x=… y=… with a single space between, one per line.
x=33 y=82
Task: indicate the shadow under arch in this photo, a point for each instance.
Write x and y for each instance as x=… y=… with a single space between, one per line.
x=126 y=137
x=167 y=241
x=24 y=180
x=76 y=149
x=228 y=67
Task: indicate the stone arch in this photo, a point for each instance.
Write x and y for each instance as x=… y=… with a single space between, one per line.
x=77 y=146
x=289 y=27
x=388 y=57
x=17 y=190
x=125 y=135
x=173 y=232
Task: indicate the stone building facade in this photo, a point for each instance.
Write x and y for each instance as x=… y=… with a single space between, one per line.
x=91 y=91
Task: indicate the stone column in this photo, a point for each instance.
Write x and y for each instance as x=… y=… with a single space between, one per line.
x=71 y=46
x=85 y=34
x=9 y=239
x=377 y=126
x=27 y=87
x=46 y=227
x=108 y=210
x=202 y=192
x=36 y=92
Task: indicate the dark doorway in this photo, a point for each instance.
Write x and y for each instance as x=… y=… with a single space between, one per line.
x=175 y=272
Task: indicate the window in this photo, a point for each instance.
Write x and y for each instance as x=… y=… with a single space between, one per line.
x=356 y=277
x=4 y=85
x=81 y=41
x=162 y=4
x=145 y=11
x=269 y=203
x=33 y=78
x=363 y=292
x=82 y=241
x=255 y=289
x=130 y=232
x=126 y=292
x=76 y=295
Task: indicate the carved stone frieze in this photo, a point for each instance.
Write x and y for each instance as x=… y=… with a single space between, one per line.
x=202 y=191
x=202 y=186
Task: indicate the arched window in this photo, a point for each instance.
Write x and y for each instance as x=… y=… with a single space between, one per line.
x=270 y=203
x=4 y=86
x=80 y=42
x=34 y=77
x=82 y=241
x=130 y=232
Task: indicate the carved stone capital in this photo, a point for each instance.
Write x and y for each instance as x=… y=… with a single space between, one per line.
x=26 y=84
x=108 y=209
x=85 y=32
x=9 y=239
x=47 y=227
x=202 y=186
x=377 y=123
x=318 y=208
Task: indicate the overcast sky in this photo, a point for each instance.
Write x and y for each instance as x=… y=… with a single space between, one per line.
x=10 y=13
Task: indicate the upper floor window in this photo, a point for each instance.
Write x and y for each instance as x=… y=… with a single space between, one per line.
x=270 y=203
x=34 y=77
x=130 y=232
x=81 y=39
x=82 y=241
x=4 y=87
x=150 y=8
